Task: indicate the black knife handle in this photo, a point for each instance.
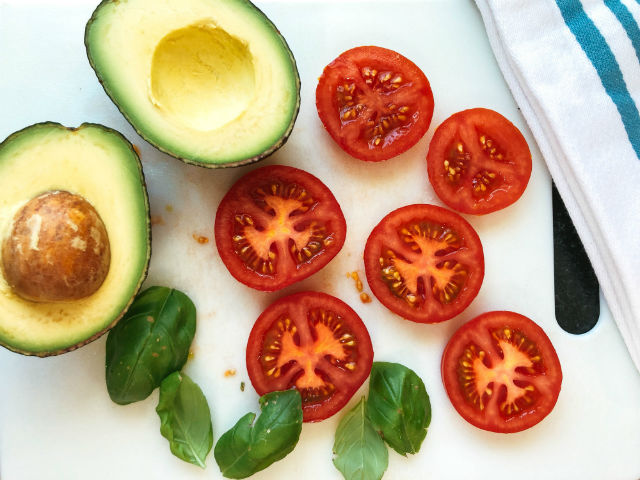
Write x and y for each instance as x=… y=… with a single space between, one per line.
x=577 y=292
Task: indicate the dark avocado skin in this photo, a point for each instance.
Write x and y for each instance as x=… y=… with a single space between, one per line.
x=148 y=221
x=240 y=163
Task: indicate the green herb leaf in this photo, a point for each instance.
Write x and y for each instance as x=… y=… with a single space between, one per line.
x=150 y=341
x=359 y=452
x=185 y=418
x=398 y=406
x=250 y=447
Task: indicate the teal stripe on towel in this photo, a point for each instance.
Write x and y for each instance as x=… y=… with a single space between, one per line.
x=624 y=16
x=604 y=61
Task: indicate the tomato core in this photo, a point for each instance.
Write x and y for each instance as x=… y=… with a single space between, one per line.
x=278 y=225
x=384 y=120
x=507 y=379
x=312 y=342
x=501 y=372
x=423 y=270
x=478 y=161
x=424 y=263
x=374 y=102
x=308 y=359
x=254 y=240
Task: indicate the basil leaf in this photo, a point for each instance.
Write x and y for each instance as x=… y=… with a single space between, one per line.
x=185 y=418
x=359 y=452
x=398 y=406
x=148 y=343
x=250 y=447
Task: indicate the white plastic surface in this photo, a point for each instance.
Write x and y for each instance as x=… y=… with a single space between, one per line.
x=56 y=418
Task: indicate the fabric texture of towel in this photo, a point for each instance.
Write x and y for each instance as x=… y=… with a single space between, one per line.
x=574 y=69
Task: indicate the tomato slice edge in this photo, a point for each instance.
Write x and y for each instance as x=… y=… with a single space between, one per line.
x=471 y=249
x=344 y=131
x=512 y=176
x=238 y=202
x=306 y=302
x=550 y=379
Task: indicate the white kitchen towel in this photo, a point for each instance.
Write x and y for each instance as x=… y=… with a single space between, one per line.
x=574 y=69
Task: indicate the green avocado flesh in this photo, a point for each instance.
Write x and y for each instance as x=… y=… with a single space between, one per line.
x=211 y=82
x=101 y=166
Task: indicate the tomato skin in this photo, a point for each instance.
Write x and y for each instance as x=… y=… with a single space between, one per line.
x=298 y=308
x=283 y=219
x=467 y=251
x=545 y=375
x=464 y=172
x=354 y=89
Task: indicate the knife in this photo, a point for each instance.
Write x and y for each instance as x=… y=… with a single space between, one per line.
x=577 y=292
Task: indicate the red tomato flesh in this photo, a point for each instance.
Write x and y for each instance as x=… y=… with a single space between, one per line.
x=315 y=343
x=374 y=102
x=278 y=225
x=478 y=162
x=424 y=263
x=501 y=372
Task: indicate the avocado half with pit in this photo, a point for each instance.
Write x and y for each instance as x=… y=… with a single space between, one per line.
x=211 y=82
x=75 y=235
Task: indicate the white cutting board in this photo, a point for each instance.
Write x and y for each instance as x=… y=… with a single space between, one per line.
x=56 y=419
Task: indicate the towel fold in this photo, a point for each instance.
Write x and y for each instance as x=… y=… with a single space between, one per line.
x=574 y=69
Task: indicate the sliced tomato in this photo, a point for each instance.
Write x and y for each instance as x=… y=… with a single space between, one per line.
x=478 y=162
x=424 y=263
x=315 y=343
x=501 y=372
x=374 y=102
x=278 y=225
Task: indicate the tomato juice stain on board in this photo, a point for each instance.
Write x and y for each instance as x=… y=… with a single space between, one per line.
x=202 y=240
x=356 y=278
x=157 y=220
x=365 y=298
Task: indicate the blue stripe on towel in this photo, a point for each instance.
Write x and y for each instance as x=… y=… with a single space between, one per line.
x=624 y=16
x=604 y=61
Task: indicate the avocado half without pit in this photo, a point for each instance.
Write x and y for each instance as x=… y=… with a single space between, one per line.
x=75 y=235
x=211 y=82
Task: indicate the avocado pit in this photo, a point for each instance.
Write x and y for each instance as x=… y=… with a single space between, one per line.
x=57 y=250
